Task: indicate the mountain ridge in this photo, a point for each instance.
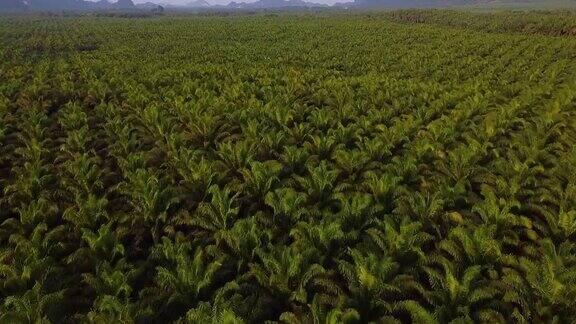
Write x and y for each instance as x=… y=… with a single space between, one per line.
x=85 y=5
x=198 y=4
x=265 y=4
x=72 y=5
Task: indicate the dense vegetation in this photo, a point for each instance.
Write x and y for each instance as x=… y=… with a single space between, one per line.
x=296 y=168
x=551 y=23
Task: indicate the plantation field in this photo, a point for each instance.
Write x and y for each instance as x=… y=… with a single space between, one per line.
x=301 y=168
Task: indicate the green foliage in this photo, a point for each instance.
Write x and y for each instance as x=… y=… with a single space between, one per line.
x=544 y=22
x=296 y=168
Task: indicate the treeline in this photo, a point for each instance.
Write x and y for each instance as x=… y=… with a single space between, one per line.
x=552 y=23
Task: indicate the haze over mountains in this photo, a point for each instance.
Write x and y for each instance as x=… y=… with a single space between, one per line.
x=85 y=5
x=72 y=5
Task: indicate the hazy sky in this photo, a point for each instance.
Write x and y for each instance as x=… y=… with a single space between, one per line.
x=181 y=2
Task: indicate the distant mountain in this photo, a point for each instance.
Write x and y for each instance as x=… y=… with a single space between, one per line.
x=124 y=4
x=198 y=4
x=391 y=3
x=147 y=5
x=85 y=5
x=106 y=5
x=265 y=4
x=58 y=5
x=12 y=5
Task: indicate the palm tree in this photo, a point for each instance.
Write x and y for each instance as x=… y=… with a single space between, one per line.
x=272 y=144
x=288 y=206
x=122 y=135
x=111 y=280
x=499 y=212
x=110 y=309
x=236 y=155
x=318 y=242
x=357 y=212
x=33 y=306
x=544 y=289
x=205 y=314
x=104 y=243
x=195 y=172
x=460 y=166
x=462 y=296
x=321 y=147
x=32 y=175
x=244 y=239
x=154 y=121
x=320 y=184
x=218 y=216
x=377 y=149
x=426 y=207
x=404 y=241
x=287 y=277
x=561 y=226
x=150 y=198
x=477 y=246
x=552 y=206
x=298 y=133
x=221 y=310
x=37 y=212
x=352 y=163
x=259 y=179
x=375 y=287
x=82 y=178
x=322 y=119
x=320 y=314
x=294 y=159
x=205 y=129
x=383 y=188
x=3 y=116
x=183 y=276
